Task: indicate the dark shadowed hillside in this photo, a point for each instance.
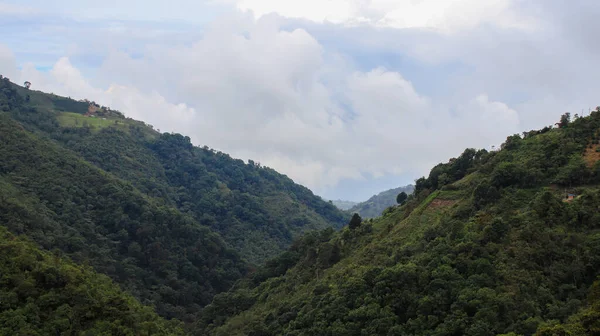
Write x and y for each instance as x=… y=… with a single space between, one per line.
x=45 y=294
x=489 y=244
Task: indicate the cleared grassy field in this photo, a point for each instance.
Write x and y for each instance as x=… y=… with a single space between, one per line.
x=68 y=119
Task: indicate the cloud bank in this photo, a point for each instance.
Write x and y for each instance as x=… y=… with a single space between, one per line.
x=358 y=97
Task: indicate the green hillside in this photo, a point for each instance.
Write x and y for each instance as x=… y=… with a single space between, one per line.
x=43 y=293
x=243 y=202
x=374 y=206
x=487 y=245
x=173 y=224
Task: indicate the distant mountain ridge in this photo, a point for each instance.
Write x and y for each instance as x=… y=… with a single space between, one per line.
x=343 y=205
x=374 y=206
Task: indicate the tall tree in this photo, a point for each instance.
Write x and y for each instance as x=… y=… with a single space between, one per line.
x=401 y=198
x=355 y=222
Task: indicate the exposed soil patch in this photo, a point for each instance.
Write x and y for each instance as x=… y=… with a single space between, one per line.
x=591 y=156
x=437 y=203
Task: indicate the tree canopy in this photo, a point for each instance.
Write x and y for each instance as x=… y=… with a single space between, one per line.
x=402 y=196
x=43 y=293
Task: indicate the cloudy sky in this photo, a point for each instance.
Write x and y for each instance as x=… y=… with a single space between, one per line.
x=348 y=97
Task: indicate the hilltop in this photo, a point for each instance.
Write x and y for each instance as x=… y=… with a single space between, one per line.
x=374 y=206
x=171 y=223
x=488 y=244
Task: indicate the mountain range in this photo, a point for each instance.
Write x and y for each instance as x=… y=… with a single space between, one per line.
x=109 y=227
x=374 y=206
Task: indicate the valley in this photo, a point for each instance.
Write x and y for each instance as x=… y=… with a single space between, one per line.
x=104 y=216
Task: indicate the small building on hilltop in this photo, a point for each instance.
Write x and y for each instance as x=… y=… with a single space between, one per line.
x=570 y=197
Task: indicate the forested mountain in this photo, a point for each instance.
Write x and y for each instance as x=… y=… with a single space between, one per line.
x=488 y=244
x=374 y=206
x=44 y=294
x=173 y=224
x=344 y=205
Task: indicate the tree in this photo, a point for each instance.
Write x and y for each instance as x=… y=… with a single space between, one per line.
x=485 y=194
x=355 y=222
x=401 y=198
x=565 y=119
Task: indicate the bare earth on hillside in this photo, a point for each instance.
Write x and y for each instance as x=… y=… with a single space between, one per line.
x=438 y=203
x=591 y=155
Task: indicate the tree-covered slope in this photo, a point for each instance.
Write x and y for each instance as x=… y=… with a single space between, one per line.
x=487 y=245
x=173 y=224
x=255 y=209
x=42 y=293
x=157 y=253
x=374 y=206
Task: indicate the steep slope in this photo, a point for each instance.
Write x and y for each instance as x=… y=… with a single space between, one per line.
x=45 y=294
x=158 y=254
x=159 y=216
x=374 y=206
x=487 y=245
x=255 y=209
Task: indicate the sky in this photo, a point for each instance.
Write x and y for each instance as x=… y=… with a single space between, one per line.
x=347 y=97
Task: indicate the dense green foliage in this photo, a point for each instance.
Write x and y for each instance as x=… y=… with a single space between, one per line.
x=157 y=253
x=374 y=206
x=401 y=198
x=487 y=245
x=44 y=294
x=161 y=217
x=585 y=322
x=258 y=211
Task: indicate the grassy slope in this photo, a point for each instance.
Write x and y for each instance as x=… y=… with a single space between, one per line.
x=70 y=119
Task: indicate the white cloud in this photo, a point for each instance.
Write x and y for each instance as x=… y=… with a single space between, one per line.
x=65 y=79
x=8 y=65
x=16 y=10
x=487 y=121
x=297 y=99
x=261 y=93
x=442 y=15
